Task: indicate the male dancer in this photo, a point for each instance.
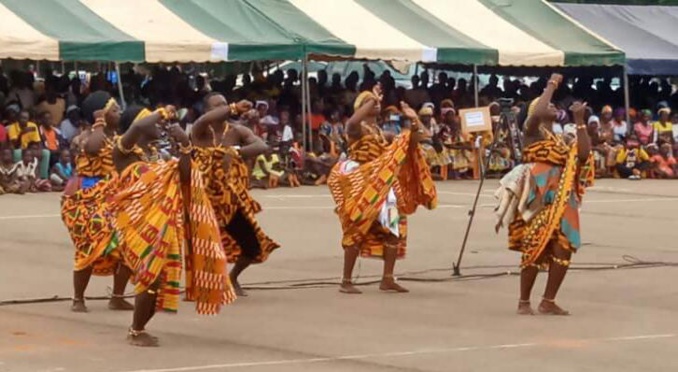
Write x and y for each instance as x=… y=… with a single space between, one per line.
x=220 y=150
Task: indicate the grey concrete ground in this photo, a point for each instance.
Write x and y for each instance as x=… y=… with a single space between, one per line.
x=624 y=319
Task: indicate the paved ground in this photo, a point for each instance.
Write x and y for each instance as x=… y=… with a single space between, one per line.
x=624 y=319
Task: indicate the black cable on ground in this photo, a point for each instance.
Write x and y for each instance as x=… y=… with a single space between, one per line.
x=630 y=262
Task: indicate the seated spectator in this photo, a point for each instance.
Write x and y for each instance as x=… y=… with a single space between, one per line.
x=267 y=171
x=9 y=175
x=632 y=160
x=27 y=173
x=24 y=133
x=619 y=127
x=663 y=162
x=457 y=143
x=62 y=171
x=338 y=135
x=674 y=125
x=70 y=127
x=51 y=137
x=663 y=128
x=644 y=128
x=432 y=147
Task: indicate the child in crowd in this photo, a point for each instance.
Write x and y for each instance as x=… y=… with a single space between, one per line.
x=632 y=160
x=9 y=175
x=267 y=171
x=28 y=173
x=62 y=171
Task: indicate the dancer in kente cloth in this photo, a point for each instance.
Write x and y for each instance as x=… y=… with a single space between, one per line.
x=160 y=209
x=84 y=209
x=221 y=148
x=540 y=199
x=382 y=181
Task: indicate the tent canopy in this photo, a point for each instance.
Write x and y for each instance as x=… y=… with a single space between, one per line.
x=482 y=32
x=647 y=34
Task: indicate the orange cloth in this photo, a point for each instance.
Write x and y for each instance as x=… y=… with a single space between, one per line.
x=50 y=136
x=360 y=193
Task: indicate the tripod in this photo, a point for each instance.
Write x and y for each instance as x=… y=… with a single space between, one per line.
x=507 y=121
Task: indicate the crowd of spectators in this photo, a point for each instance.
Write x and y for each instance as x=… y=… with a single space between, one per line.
x=41 y=120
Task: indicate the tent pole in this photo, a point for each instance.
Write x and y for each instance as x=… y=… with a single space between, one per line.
x=120 y=92
x=627 y=104
x=475 y=84
x=308 y=109
x=304 y=103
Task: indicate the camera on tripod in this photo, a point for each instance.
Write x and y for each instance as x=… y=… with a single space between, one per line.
x=506 y=105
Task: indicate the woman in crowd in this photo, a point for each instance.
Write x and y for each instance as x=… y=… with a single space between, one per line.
x=168 y=198
x=376 y=187
x=663 y=128
x=84 y=204
x=619 y=126
x=545 y=228
x=663 y=162
x=458 y=144
x=644 y=128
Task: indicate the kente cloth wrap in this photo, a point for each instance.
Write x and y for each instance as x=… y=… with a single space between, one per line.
x=229 y=195
x=360 y=193
x=153 y=218
x=98 y=165
x=558 y=182
x=86 y=216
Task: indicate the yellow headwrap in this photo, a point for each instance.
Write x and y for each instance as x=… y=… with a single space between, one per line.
x=664 y=109
x=142 y=114
x=426 y=111
x=531 y=107
x=109 y=105
x=606 y=109
x=447 y=103
x=362 y=98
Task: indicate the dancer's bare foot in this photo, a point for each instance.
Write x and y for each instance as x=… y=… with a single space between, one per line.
x=348 y=288
x=79 y=306
x=549 y=307
x=237 y=288
x=388 y=284
x=142 y=339
x=118 y=303
x=524 y=308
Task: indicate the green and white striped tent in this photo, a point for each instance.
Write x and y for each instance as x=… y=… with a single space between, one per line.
x=482 y=32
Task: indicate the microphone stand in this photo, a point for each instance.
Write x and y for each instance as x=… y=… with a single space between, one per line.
x=484 y=163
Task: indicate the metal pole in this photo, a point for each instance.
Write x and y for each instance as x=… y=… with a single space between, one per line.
x=309 y=113
x=475 y=84
x=627 y=103
x=304 y=73
x=120 y=92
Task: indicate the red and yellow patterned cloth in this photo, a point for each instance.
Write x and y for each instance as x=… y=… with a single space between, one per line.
x=84 y=212
x=229 y=195
x=360 y=193
x=99 y=165
x=558 y=182
x=152 y=218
